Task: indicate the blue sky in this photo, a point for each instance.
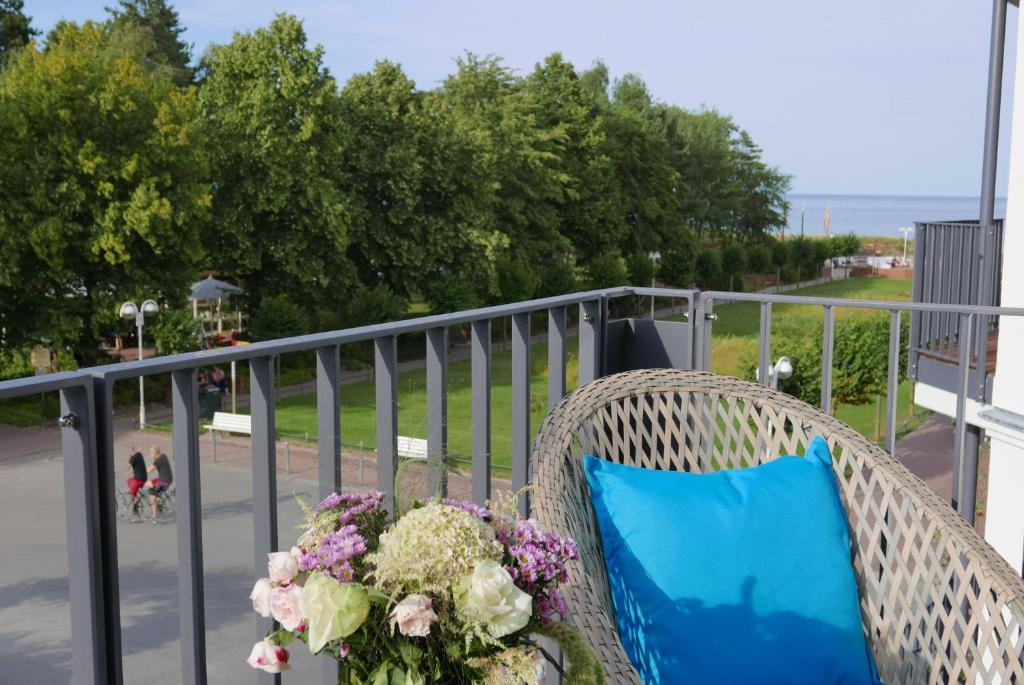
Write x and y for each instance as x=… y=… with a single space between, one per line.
x=866 y=97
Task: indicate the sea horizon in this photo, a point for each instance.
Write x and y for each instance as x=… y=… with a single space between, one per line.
x=878 y=215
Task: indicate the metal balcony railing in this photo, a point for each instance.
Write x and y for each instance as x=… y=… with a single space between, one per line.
x=955 y=263
x=86 y=400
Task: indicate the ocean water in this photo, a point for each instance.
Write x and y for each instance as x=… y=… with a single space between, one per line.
x=878 y=215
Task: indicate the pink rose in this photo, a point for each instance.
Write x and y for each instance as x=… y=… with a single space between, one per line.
x=282 y=567
x=268 y=657
x=413 y=615
x=286 y=606
x=260 y=597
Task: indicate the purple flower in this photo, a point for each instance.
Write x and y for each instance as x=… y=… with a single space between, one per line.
x=482 y=513
x=364 y=501
x=537 y=563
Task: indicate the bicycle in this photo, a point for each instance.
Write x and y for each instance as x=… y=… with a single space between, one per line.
x=137 y=509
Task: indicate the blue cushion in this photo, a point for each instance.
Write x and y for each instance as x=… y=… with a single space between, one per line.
x=740 y=576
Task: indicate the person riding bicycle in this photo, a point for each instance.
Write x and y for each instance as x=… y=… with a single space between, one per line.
x=164 y=477
x=137 y=465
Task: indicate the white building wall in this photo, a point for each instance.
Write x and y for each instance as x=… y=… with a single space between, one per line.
x=1004 y=526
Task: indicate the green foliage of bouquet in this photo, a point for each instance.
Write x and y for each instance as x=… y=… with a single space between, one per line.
x=452 y=592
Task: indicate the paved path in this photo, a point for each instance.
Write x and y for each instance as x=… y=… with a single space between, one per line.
x=928 y=452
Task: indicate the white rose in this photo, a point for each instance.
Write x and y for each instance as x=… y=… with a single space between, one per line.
x=286 y=606
x=413 y=615
x=268 y=657
x=260 y=597
x=282 y=567
x=490 y=597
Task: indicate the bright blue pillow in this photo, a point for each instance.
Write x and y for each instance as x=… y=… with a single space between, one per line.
x=740 y=576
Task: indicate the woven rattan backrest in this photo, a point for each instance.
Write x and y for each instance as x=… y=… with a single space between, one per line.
x=937 y=603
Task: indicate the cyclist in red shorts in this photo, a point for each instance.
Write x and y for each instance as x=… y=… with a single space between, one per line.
x=138 y=467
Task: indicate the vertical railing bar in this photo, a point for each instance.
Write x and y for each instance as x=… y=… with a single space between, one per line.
x=892 y=401
x=691 y=306
x=103 y=401
x=385 y=364
x=82 y=504
x=827 y=345
x=480 y=371
x=264 y=477
x=764 y=345
x=556 y=356
x=328 y=411
x=920 y=247
x=191 y=602
x=981 y=329
x=437 y=411
x=590 y=340
x=965 y=474
x=328 y=426
x=935 y=246
x=522 y=437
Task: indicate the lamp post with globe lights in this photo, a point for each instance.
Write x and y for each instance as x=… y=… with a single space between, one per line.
x=129 y=310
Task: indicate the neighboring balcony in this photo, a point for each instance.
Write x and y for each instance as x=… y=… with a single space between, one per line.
x=956 y=263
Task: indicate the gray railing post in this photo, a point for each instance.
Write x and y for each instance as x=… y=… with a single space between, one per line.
x=105 y=472
x=703 y=319
x=965 y=461
x=828 y=330
x=521 y=434
x=90 y=612
x=556 y=356
x=328 y=421
x=917 y=295
x=892 y=400
x=328 y=427
x=437 y=411
x=385 y=355
x=591 y=328
x=480 y=364
x=191 y=604
x=764 y=345
x=264 y=478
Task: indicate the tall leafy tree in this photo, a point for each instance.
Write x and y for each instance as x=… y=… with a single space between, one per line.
x=15 y=28
x=271 y=113
x=105 y=187
x=168 y=50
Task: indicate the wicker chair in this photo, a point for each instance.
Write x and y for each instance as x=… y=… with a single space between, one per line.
x=938 y=604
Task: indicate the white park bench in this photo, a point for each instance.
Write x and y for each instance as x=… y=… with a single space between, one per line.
x=228 y=423
x=412 y=448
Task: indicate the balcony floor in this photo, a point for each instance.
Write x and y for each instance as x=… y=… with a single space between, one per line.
x=954 y=352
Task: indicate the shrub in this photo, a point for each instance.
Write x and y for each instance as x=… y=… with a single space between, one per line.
x=641 y=269
x=780 y=254
x=709 y=268
x=734 y=264
x=452 y=293
x=759 y=259
x=606 y=270
x=176 y=331
x=558 y=278
x=278 y=317
x=860 y=356
x=516 y=281
x=679 y=262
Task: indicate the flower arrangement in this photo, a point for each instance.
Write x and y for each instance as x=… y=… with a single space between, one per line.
x=451 y=592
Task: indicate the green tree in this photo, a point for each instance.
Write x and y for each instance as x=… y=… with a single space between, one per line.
x=759 y=259
x=15 y=28
x=606 y=270
x=271 y=112
x=105 y=188
x=168 y=50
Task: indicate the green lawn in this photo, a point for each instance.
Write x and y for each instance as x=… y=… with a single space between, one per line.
x=296 y=416
x=735 y=335
x=735 y=332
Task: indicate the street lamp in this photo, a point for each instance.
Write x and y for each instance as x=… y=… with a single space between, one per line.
x=654 y=257
x=906 y=231
x=129 y=310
